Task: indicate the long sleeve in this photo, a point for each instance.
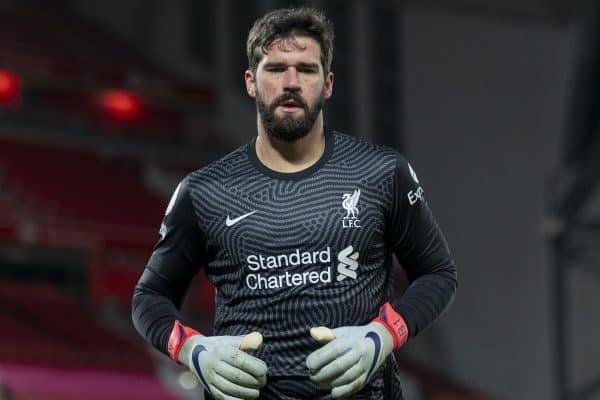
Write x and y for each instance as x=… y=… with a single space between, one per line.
x=176 y=258
x=422 y=250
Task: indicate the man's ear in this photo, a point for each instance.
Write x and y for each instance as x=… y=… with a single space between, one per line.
x=250 y=83
x=328 y=87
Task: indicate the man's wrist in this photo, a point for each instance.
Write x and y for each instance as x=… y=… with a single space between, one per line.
x=177 y=340
x=394 y=323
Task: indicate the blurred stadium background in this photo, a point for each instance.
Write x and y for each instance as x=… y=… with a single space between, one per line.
x=105 y=105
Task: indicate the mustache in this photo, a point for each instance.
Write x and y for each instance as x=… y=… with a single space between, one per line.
x=289 y=96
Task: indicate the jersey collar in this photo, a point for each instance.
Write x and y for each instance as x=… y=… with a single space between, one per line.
x=329 y=144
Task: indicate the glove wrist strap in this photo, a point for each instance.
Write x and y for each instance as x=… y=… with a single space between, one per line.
x=179 y=334
x=394 y=323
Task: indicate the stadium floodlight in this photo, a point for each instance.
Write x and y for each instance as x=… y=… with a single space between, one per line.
x=9 y=86
x=120 y=105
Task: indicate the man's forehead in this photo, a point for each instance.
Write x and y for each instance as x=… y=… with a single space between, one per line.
x=302 y=45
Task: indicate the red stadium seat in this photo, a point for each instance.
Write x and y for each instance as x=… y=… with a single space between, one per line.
x=43 y=325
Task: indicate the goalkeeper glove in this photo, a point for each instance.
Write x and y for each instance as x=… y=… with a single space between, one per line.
x=354 y=353
x=220 y=363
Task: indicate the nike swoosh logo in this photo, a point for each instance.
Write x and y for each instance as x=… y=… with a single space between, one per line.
x=377 y=342
x=195 y=353
x=230 y=222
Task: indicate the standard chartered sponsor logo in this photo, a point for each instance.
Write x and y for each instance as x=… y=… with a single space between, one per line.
x=264 y=272
x=296 y=258
x=347 y=265
x=259 y=281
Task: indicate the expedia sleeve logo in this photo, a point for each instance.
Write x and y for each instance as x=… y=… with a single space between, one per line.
x=413 y=174
x=414 y=195
x=173 y=199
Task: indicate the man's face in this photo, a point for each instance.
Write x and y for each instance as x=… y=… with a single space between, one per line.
x=290 y=87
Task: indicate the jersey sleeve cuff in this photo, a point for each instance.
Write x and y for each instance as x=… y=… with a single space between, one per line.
x=394 y=323
x=179 y=334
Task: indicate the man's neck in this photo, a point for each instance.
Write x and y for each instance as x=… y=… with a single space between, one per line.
x=283 y=156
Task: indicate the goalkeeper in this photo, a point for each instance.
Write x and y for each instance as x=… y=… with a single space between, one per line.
x=297 y=230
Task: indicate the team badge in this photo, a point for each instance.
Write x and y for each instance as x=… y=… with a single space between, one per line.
x=350 y=204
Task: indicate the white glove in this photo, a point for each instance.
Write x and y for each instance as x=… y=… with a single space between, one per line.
x=223 y=368
x=350 y=358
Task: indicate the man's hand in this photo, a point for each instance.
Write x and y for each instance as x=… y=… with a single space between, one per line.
x=350 y=357
x=223 y=368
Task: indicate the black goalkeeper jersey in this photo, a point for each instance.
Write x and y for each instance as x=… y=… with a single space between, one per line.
x=289 y=251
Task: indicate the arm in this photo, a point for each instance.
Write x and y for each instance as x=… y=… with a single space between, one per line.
x=217 y=361
x=176 y=258
x=352 y=354
x=421 y=248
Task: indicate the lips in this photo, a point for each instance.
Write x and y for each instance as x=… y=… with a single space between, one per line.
x=290 y=103
x=290 y=106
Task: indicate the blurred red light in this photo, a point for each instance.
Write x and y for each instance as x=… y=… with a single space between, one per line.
x=120 y=104
x=9 y=86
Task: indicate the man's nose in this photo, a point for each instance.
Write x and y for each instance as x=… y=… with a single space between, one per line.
x=291 y=80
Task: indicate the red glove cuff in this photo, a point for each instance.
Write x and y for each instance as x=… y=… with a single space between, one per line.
x=394 y=323
x=179 y=335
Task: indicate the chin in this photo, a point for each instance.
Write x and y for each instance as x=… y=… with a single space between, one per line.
x=288 y=136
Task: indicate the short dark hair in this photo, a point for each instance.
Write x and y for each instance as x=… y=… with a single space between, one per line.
x=288 y=22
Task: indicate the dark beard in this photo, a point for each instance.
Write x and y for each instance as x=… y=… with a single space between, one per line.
x=288 y=128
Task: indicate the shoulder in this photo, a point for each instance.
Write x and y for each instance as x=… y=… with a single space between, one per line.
x=221 y=170
x=380 y=163
x=359 y=152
